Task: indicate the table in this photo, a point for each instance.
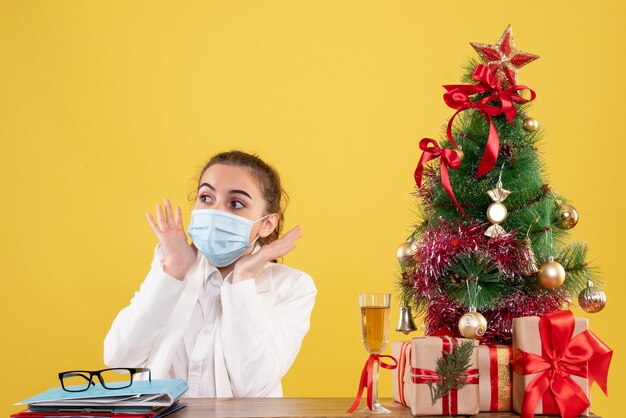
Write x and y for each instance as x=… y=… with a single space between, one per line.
x=292 y=407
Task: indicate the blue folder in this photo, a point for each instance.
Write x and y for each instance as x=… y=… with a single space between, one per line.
x=142 y=395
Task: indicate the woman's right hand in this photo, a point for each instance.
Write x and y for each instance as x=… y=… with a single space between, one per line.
x=178 y=254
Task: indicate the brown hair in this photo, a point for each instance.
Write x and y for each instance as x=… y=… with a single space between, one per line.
x=268 y=180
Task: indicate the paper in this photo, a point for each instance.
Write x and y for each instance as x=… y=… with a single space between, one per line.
x=159 y=392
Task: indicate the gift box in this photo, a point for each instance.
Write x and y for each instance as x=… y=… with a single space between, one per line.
x=401 y=380
x=424 y=354
x=494 y=366
x=555 y=361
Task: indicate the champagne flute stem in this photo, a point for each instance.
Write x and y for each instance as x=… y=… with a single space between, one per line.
x=375 y=383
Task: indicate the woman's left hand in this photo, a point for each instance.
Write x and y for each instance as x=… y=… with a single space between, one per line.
x=248 y=266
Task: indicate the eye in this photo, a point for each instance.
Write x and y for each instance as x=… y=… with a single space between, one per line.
x=205 y=198
x=236 y=204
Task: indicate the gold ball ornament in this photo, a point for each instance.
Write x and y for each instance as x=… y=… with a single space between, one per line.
x=592 y=299
x=460 y=153
x=472 y=325
x=531 y=125
x=406 y=251
x=496 y=213
x=568 y=216
x=551 y=274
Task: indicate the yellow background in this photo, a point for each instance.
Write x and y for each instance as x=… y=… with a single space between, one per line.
x=107 y=107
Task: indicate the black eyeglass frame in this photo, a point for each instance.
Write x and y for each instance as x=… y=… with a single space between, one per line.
x=98 y=373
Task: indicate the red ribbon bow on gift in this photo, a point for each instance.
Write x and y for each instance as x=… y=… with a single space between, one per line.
x=457 y=97
x=367 y=378
x=584 y=355
x=449 y=159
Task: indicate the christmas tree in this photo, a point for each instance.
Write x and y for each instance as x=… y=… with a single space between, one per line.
x=491 y=243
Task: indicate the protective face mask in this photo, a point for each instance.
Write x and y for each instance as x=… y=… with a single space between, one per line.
x=220 y=236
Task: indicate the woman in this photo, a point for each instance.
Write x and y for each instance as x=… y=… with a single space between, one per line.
x=219 y=312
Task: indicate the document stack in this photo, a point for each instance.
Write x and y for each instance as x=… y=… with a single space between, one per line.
x=143 y=399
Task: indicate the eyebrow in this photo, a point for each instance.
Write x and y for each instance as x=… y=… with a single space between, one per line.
x=207 y=185
x=234 y=191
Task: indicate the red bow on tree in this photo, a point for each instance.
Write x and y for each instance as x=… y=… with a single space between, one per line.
x=457 y=97
x=584 y=355
x=449 y=159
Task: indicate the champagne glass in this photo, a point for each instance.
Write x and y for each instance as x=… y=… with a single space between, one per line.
x=375 y=333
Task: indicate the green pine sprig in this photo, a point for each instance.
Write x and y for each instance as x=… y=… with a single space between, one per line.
x=450 y=367
x=480 y=269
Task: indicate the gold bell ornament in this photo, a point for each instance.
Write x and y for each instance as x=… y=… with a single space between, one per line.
x=405 y=321
x=529 y=264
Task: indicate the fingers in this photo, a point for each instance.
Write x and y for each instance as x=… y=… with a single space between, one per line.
x=293 y=234
x=152 y=223
x=179 y=218
x=249 y=265
x=284 y=244
x=169 y=214
x=160 y=217
x=165 y=219
x=280 y=249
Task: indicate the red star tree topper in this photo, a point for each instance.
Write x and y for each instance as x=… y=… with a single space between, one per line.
x=503 y=59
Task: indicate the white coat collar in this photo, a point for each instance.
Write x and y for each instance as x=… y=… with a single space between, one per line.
x=263 y=281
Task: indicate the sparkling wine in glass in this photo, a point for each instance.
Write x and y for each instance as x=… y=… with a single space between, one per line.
x=375 y=333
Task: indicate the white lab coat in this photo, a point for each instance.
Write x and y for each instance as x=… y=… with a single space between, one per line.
x=259 y=334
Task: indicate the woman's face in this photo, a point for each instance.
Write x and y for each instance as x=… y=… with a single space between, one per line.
x=233 y=189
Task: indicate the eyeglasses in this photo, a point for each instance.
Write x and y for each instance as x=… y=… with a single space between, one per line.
x=118 y=378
